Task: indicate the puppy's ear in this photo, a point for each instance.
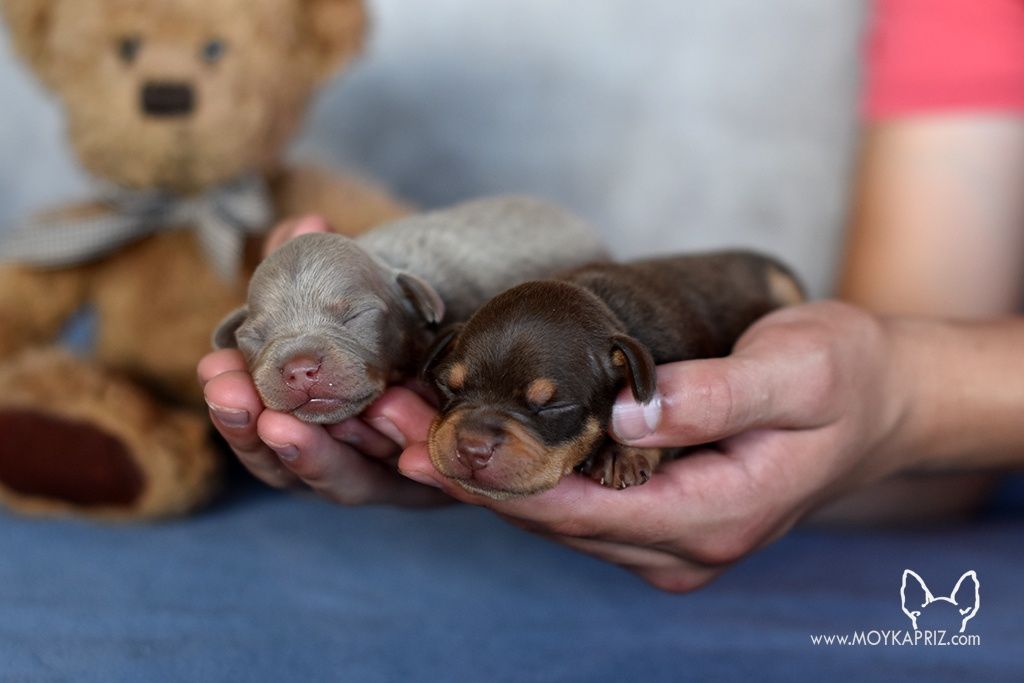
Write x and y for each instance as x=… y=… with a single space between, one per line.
x=334 y=30
x=29 y=23
x=636 y=362
x=224 y=335
x=438 y=350
x=423 y=298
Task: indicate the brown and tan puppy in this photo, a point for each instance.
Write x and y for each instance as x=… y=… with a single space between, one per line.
x=528 y=383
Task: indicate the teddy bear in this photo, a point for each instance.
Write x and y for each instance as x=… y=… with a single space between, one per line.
x=182 y=108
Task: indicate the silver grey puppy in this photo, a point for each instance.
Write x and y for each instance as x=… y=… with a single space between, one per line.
x=331 y=320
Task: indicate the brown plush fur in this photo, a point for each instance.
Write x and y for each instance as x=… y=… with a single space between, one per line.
x=157 y=300
x=179 y=468
x=249 y=102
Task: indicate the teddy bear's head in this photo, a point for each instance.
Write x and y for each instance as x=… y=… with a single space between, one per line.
x=183 y=94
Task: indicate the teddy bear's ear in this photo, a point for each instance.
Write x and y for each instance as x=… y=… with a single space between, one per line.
x=224 y=335
x=28 y=22
x=335 y=29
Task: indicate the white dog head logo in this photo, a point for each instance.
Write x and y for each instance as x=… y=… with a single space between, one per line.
x=942 y=612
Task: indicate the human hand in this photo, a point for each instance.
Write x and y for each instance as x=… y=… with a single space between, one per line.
x=291 y=228
x=350 y=463
x=811 y=403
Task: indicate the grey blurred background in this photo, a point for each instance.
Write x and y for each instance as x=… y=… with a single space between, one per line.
x=671 y=124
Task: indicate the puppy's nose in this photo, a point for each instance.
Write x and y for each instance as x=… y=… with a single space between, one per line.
x=163 y=98
x=301 y=373
x=474 y=452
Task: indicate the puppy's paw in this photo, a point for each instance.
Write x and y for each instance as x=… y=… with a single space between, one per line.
x=617 y=466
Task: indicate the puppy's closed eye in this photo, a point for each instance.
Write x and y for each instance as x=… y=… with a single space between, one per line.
x=446 y=391
x=362 y=314
x=250 y=335
x=351 y=311
x=556 y=410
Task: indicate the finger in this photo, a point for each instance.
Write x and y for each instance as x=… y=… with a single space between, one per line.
x=401 y=415
x=219 y=362
x=365 y=439
x=703 y=509
x=235 y=408
x=423 y=390
x=791 y=369
x=624 y=554
x=697 y=508
x=664 y=570
x=292 y=228
x=278 y=236
x=696 y=402
x=336 y=470
x=703 y=401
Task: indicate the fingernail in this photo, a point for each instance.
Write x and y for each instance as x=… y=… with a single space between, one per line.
x=388 y=429
x=286 y=452
x=632 y=420
x=351 y=439
x=346 y=433
x=230 y=417
x=421 y=478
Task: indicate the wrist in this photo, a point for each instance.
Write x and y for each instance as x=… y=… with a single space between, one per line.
x=951 y=409
x=910 y=414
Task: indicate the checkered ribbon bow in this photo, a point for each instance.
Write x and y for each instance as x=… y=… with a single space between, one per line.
x=222 y=219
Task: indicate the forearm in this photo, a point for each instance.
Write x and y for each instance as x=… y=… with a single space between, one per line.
x=964 y=408
x=937 y=218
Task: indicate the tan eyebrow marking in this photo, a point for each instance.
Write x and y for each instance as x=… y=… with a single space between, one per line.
x=540 y=391
x=457 y=376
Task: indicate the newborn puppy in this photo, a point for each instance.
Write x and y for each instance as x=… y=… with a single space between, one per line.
x=331 y=320
x=529 y=382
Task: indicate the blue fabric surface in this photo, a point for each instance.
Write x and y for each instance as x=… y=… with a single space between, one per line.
x=271 y=587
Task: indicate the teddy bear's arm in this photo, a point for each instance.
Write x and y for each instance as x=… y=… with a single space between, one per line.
x=351 y=204
x=35 y=302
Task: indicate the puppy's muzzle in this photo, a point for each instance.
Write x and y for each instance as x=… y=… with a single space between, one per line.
x=475 y=445
x=301 y=373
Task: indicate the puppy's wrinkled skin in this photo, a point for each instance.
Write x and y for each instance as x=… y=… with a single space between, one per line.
x=530 y=380
x=331 y=320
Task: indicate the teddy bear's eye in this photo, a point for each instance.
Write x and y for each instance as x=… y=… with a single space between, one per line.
x=128 y=48
x=213 y=50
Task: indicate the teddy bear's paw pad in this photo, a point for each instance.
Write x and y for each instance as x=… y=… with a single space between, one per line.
x=43 y=457
x=618 y=467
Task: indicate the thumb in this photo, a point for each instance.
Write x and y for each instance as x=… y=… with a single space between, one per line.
x=292 y=228
x=702 y=401
x=402 y=415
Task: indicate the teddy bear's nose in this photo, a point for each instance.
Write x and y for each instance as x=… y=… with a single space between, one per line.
x=167 y=99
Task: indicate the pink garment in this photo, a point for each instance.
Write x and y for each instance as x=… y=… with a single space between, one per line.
x=933 y=56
